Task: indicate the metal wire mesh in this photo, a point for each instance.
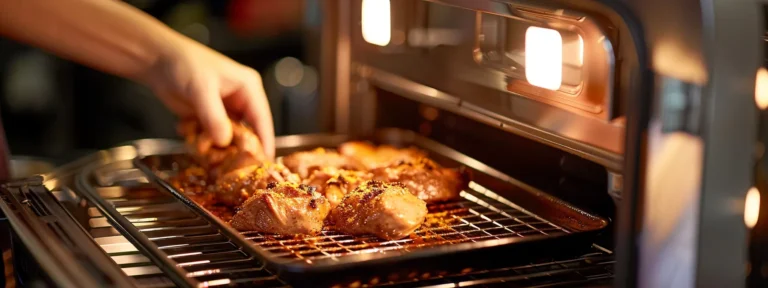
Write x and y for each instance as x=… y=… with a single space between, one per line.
x=480 y=215
x=189 y=240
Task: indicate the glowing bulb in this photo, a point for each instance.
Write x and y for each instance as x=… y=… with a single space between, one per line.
x=289 y=72
x=761 y=88
x=543 y=57
x=581 y=51
x=752 y=207
x=376 y=22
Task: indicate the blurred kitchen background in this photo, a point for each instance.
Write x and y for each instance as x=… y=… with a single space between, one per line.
x=56 y=109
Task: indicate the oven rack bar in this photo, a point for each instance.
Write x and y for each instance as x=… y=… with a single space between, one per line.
x=182 y=245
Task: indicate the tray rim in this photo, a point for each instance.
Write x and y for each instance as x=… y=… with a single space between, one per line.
x=354 y=260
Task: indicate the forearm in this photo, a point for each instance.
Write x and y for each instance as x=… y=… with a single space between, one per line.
x=107 y=35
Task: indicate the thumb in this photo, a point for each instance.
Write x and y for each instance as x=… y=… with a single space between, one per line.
x=211 y=113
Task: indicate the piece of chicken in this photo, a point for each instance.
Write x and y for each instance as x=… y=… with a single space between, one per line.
x=245 y=149
x=285 y=208
x=426 y=179
x=235 y=187
x=388 y=211
x=305 y=161
x=372 y=157
x=335 y=183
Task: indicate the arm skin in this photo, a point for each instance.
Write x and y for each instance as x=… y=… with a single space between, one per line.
x=116 y=38
x=107 y=35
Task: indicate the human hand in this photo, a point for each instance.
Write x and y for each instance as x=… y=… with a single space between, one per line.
x=119 y=39
x=244 y=151
x=195 y=81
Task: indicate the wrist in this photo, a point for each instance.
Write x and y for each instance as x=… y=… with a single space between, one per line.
x=164 y=49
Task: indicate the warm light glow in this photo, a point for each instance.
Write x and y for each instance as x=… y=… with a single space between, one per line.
x=581 y=51
x=212 y=283
x=543 y=57
x=761 y=88
x=289 y=72
x=752 y=207
x=376 y=22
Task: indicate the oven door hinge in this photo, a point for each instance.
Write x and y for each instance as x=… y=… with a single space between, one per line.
x=681 y=106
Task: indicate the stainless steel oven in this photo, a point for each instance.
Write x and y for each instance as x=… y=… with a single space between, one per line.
x=615 y=142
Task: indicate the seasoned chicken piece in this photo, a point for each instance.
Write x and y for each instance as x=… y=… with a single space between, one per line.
x=425 y=179
x=244 y=150
x=303 y=162
x=388 y=211
x=236 y=186
x=285 y=208
x=336 y=183
x=373 y=157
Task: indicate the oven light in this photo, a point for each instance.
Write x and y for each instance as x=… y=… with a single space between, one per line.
x=581 y=51
x=376 y=22
x=544 y=57
x=761 y=88
x=752 y=207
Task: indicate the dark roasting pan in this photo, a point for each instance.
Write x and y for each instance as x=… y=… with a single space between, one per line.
x=496 y=214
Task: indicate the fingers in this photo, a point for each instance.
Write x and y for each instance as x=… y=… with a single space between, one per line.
x=203 y=144
x=248 y=143
x=210 y=110
x=259 y=115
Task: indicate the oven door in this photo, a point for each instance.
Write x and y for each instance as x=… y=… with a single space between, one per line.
x=690 y=146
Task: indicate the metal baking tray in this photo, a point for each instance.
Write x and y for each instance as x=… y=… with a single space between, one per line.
x=496 y=212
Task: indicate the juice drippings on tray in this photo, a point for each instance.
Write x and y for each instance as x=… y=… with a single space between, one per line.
x=440 y=218
x=416 y=239
x=442 y=215
x=193 y=183
x=191 y=180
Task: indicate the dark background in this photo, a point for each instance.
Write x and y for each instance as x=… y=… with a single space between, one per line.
x=56 y=109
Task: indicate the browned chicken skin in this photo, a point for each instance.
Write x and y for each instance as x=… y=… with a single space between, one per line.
x=335 y=183
x=388 y=211
x=426 y=179
x=245 y=149
x=372 y=157
x=305 y=161
x=285 y=208
x=361 y=189
x=233 y=188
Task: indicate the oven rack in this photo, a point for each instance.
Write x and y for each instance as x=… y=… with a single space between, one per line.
x=159 y=218
x=209 y=258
